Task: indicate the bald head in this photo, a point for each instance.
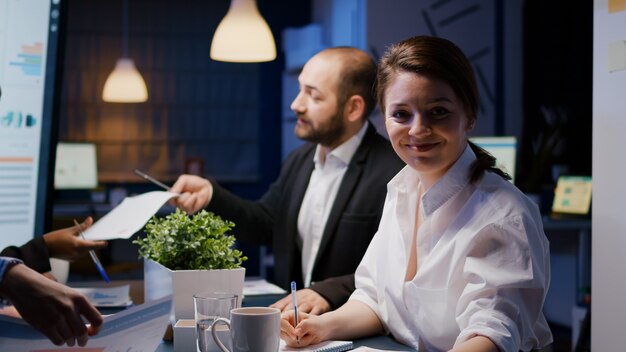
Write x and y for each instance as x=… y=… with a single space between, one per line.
x=357 y=75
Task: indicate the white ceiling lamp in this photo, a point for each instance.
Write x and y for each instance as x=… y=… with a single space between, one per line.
x=125 y=84
x=243 y=35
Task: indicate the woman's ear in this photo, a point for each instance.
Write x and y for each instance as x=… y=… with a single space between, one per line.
x=470 y=124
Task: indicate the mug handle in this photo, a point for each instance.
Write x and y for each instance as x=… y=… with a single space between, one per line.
x=215 y=338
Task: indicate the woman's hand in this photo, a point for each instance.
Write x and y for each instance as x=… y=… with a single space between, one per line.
x=310 y=330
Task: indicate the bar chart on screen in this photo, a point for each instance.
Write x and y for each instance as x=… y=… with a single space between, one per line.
x=29 y=68
x=17 y=198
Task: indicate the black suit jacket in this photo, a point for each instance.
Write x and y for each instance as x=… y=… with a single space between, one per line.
x=34 y=254
x=352 y=222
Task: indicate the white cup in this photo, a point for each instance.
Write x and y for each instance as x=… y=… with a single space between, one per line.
x=60 y=269
x=251 y=329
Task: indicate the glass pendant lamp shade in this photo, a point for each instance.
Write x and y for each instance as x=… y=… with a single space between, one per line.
x=243 y=35
x=125 y=84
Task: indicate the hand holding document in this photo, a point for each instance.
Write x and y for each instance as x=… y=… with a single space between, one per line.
x=93 y=255
x=128 y=217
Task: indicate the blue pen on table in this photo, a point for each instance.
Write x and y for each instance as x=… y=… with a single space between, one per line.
x=93 y=255
x=295 y=306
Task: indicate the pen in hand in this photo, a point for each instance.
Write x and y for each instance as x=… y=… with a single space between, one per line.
x=153 y=180
x=295 y=307
x=94 y=258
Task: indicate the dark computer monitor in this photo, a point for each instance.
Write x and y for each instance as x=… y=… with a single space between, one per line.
x=30 y=36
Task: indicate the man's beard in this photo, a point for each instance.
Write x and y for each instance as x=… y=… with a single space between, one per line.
x=326 y=133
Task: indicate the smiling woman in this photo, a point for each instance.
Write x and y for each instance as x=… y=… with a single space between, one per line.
x=475 y=257
x=427 y=124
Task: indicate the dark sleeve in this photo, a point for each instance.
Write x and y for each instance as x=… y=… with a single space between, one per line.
x=34 y=254
x=336 y=290
x=253 y=219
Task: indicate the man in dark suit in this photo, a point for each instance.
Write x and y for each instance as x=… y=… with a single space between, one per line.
x=322 y=211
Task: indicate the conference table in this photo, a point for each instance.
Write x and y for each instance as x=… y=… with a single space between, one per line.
x=378 y=342
x=136 y=292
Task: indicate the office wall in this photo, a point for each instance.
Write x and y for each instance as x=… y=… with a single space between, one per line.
x=609 y=190
x=226 y=114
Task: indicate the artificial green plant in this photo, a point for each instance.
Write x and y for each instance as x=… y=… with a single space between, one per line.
x=182 y=242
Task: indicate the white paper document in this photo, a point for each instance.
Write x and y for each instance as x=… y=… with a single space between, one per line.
x=259 y=286
x=129 y=216
x=325 y=346
x=107 y=296
x=136 y=329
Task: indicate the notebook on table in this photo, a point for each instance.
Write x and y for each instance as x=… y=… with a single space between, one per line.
x=326 y=346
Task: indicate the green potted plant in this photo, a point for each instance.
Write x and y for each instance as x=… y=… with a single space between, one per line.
x=184 y=255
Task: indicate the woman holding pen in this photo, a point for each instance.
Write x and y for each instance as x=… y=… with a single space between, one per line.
x=460 y=260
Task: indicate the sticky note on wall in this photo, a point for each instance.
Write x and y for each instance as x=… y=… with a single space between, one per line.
x=617 y=5
x=617 y=56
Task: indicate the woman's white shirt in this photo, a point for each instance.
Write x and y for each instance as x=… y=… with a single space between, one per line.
x=483 y=263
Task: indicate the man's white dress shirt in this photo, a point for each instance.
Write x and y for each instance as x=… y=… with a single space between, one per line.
x=483 y=265
x=320 y=196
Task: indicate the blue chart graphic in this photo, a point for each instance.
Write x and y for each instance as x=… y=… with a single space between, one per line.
x=17 y=119
x=30 y=59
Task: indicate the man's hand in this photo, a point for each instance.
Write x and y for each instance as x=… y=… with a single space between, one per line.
x=67 y=243
x=309 y=301
x=195 y=193
x=50 y=307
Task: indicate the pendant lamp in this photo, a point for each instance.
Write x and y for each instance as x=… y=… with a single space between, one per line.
x=125 y=84
x=243 y=35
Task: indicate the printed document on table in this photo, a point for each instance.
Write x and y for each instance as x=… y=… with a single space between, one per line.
x=107 y=296
x=129 y=216
x=139 y=328
x=325 y=346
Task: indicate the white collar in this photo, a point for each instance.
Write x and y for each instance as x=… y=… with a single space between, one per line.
x=452 y=182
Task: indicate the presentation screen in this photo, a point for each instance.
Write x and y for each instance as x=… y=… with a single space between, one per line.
x=29 y=34
x=504 y=149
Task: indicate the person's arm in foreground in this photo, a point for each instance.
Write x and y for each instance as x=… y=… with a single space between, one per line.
x=352 y=320
x=476 y=344
x=50 y=307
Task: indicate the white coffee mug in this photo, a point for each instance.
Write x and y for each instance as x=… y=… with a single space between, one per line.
x=251 y=329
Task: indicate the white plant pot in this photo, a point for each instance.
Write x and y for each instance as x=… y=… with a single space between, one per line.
x=160 y=281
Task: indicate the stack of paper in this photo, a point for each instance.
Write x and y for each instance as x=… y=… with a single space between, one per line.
x=258 y=286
